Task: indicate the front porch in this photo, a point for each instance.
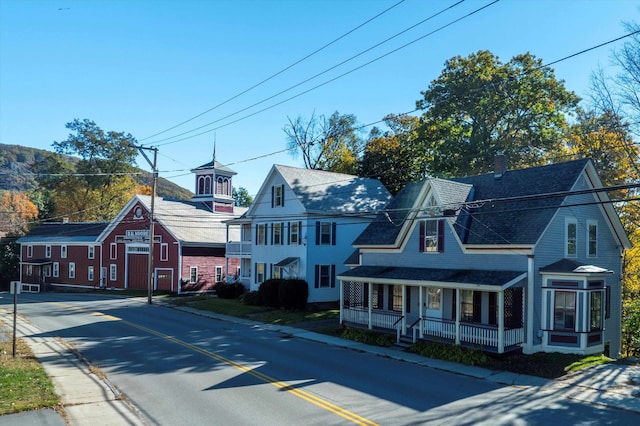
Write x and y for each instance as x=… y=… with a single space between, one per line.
x=481 y=336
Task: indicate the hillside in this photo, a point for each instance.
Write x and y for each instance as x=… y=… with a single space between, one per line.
x=15 y=169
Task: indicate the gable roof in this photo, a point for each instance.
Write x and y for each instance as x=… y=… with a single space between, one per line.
x=325 y=192
x=57 y=232
x=488 y=223
x=191 y=222
x=501 y=222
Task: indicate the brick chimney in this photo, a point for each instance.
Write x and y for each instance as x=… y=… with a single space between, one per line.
x=500 y=165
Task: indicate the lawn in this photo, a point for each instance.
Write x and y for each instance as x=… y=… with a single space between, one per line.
x=24 y=385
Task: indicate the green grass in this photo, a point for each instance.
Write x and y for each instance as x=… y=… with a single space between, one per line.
x=24 y=385
x=548 y=365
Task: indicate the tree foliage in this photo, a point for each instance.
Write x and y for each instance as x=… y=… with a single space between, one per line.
x=479 y=106
x=241 y=197
x=331 y=144
x=17 y=212
x=102 y=182
x=393 y=157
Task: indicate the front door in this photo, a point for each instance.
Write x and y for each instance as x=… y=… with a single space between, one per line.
x=433 y=310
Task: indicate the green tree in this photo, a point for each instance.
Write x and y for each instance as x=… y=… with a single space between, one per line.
x=393 y=156
x=102 y=182
x=331 y=144
x=479 y=106
x=242 y=197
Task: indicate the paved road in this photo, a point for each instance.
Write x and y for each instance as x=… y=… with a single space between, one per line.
x=179 y=368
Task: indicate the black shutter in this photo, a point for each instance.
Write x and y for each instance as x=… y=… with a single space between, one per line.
x=421 y=239
x=288 y=233
x=317 y=233
x=282 y=194
x=273 y=193
x=333 y=233
x=332 y=276
x=316 y=281
x=441 y=236
x=477 y=306
x=390 y=301
x=493 y=308
x=407 y=292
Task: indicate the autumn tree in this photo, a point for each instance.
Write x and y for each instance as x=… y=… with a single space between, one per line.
x=479 y=106
x=17 y=213
x=392 y=156
x=331 y=144
x=101 y=183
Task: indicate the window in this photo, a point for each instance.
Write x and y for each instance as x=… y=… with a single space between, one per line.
x=260 y=267
x=325 y=233
x=466 y=305
x=56 y=269
x=261 y=234
x=193 y=274
x=63 y=251
x=72 y=270
x=294 y=232
x=218 y=274
x=377 y=296
x=113 y=272
x=277 y=271
x=46 y=270
x=432 y=236
x=207 y=185
x=164 y=252
x=90 y=273
x=29 y=270
x=434 y=296
x=29 y=251
x=325 y=276
x=396 y=298
x=92 y=252
x=571 y=237
x=47 y=251
x=595 y=310
x=276 y=235
x=113 y=251
x=564 y=310
x=277 y=196
x=592 y=238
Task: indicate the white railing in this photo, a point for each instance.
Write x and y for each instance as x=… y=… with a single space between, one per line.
x=479 y=335
x=439 y=328
x=513 y=336
x=378 y=319
x=239 y=248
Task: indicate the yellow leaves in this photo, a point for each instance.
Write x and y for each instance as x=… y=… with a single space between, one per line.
x=16 y=212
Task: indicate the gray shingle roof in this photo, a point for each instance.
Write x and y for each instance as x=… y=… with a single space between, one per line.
x=516 y=222
x=327 y=192
x=219 y=167
x=493 y=278
x=192 y=222
x=65 y=232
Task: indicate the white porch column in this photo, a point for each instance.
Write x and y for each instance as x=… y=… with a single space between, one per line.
x=421 y=307
x=370 y=321
x=404 y=309
x=530 y=289
x=458 y=316
x=501 y=321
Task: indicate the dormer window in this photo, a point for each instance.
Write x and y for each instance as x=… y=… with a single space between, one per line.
x=277 y=196
x=432 y=236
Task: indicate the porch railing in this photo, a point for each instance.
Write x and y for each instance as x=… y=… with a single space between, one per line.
x=378 y=319
x=239 y=248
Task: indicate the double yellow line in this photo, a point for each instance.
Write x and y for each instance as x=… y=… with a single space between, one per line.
x=315 y=400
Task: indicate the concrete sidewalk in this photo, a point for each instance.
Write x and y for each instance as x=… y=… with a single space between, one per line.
x=91 y=400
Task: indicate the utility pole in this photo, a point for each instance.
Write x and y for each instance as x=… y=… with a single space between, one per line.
x=151 y=214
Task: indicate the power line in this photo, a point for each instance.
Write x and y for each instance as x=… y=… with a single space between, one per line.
x=279 y=72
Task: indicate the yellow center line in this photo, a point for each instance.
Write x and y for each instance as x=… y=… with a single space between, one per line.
x=302 y=394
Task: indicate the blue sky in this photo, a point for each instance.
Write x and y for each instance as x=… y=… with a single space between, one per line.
x=142 y=66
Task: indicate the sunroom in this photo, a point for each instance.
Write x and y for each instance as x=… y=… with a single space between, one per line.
x=481 y=309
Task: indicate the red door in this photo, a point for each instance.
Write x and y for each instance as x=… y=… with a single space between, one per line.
x=138 y=271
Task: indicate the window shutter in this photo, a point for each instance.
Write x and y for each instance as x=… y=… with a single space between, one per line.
x=422 y=231
x=289 y=233
x=390 y=298
x=256 y=242
x=317 y=233
x=493 y=308
x=477 y=306
x=407 y=292
x=441 y=236
x=273 y=195
x=271 y=232
x=255 y=272
x=380 y=296
x=317 y=277
x=282 y=194
x=333 y=233
x=299 y=232
x=332 y=275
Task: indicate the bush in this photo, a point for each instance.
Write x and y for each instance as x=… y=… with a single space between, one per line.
x=269 y=292
x=293 y=294
x=368 y=337
x=251 y=298
x=229 y=290
x=450 y=353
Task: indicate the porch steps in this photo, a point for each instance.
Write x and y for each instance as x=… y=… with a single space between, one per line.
x=404 y=343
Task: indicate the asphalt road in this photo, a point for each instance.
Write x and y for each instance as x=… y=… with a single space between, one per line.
x=179 y=369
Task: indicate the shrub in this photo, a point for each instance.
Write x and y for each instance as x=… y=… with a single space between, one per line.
x=229 y=290
x=251 y=298
x=450 y=353
x=269 y=293
x=368 y=337
x=293 y=294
